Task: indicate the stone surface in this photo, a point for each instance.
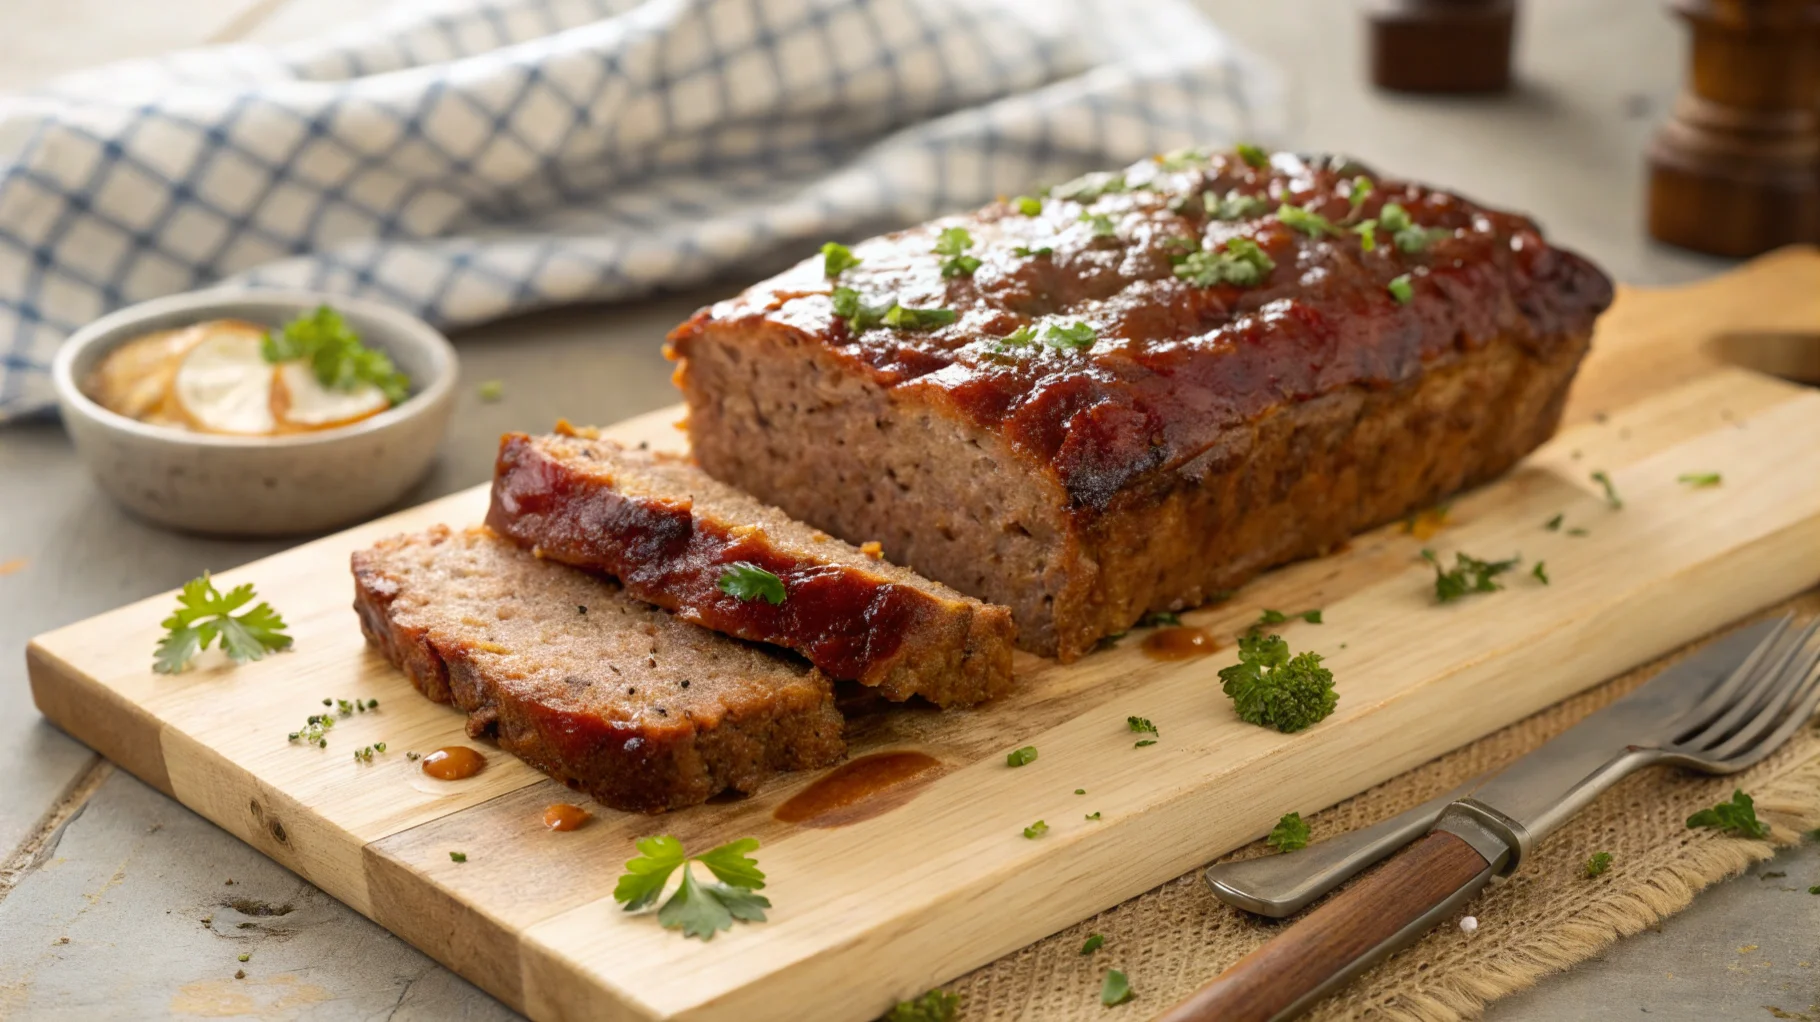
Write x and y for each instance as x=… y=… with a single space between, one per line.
x=129 y=878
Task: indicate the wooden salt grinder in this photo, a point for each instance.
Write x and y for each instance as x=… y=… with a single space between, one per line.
x=1441 y=45
x=1736 y=170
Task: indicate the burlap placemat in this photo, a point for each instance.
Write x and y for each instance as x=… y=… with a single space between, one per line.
x=1547 y=917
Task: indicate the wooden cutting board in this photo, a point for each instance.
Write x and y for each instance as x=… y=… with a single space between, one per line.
x=944 y=880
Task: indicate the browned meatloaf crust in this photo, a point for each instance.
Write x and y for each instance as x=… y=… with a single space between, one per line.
x=603 y=692
x=1203 y=431
x=669 y=533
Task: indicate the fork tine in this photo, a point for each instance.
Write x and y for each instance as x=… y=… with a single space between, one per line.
x=1797 y=678
x=1805 y=705
x=1761 y=686
x=1720 y=696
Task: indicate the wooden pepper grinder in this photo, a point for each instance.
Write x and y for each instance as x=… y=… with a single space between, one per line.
x=1441 y=45
x=1736 y=170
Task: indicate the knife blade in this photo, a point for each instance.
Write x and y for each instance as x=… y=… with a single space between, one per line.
x=1282 y=885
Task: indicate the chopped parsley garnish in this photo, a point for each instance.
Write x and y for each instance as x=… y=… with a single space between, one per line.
x=1401 y=289
x=1361 y=187
x=1026 y=252
x=1290 y=833
x=837 y=259
x=1540 y=571
x=490 y=391
x=1554 y=524
x=1072 y=337
x=1160 y=619
x=1036 y=830
x=1310 y=223
x=1611 y=490
x=1739 y=816
x=1599 y=863
x=1181 y=159
x=698 y=909
x=745 y=581
x=1235 y=206
x=1019 y=757
x=203 y=614
x=1468 y=575
x=1577 y=531
x=953 y=244
x=901 y=318
x=1276 y=617
x=861 y=317
x=458 y=856
x=1080 y=791
x=934 y=1006
x=1143 y=742
x=1141 y=725
x=1254 y=156
x=1700 y=480
x=335 y=354
x=1101 y=224
x=1270 y=688
x=1093 y=816
x=1405 y=234
x=1241 y=262
x=1027 y=205
x=1116 y=989
x=1088 y=187
x=1094 y=943
x=1367 y=230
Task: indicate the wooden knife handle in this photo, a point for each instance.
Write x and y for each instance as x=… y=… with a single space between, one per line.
x=1266 y=982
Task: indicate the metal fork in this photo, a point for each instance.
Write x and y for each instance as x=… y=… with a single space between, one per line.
x=1742 y=718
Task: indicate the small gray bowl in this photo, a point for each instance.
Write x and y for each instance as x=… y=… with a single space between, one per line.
x=260 y=486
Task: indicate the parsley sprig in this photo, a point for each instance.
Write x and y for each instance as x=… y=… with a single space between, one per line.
x=745 y=581
x=1290 y=833
x=1739 y=816
x=1241 y=262
x=335 y=354
x=1467 y=576
x=1270 y=688
x=204 y=614
x=934 y=1006
x=953 y=244
x=697 y=909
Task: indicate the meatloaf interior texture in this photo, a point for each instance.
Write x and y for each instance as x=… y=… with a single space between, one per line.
x=601 y=691
x=1122 y=406
x=670 y=534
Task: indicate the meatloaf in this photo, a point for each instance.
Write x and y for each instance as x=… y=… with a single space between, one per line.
x=603 y=692
x=675 y=537
x=1142 y=388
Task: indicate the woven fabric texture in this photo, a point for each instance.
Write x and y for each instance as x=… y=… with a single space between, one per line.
x=483 y=157
x=1545 y=918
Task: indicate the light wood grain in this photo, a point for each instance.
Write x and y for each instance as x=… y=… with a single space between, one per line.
x=884 y=908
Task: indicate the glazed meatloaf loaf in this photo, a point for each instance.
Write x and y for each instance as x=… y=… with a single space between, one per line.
x=1143 y=387
x=718 y=558
x=603 y=692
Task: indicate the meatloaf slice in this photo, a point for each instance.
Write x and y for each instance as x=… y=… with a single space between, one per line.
x=1144 y=387
x=670 y=534
x=603 y=692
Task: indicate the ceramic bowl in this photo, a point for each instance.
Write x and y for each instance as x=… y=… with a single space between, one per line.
x=260 y=486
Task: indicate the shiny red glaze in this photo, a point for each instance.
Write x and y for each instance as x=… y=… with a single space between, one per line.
x=1175 y=365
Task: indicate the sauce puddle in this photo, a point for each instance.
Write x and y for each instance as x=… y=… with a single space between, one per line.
x=563 y=816
x=860 y=789
x=1179 y=643
x=453 y=763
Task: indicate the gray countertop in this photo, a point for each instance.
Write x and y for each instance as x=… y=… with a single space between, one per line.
x=116 y=902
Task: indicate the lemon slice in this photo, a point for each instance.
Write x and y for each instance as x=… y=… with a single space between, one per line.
x=301 y=402
x=135 y=378
x=224 y=384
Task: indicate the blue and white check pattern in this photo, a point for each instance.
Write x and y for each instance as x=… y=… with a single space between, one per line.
x=463 y=162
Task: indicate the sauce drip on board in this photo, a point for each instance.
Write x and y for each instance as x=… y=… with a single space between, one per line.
x=1179 y=643
x=563 y=816
x=860 y=789
x=453 y=763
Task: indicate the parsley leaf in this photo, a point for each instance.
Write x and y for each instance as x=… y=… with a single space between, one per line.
x=953 y=243
x=1027 y=205
x=203 y=614
x=745 y=581
x=1599 y=863
x=836 y=259
x=458 y=856
x=1367 y=230
x=1072 y=337
x=1026 y=252
x=1241 y=262
x=1160 y=619
x=1116 y=989
x=1019 y=757
x=1181 y=159
x=1088 y=187
x=1235 y=206
x=1739 y=816
x=335 y=354
x=1290 y=833
x=1141 y=725
x=1361 y=187
x=697 y=909
x=918 y=319
x=1554 y=524
x=1468 y=575
x=860 y=317
x=1101 y=224
x=1254 y=156
x=1276 y=617
x=1094 y=943
x=934 y=1006
x=1310 y=223
x=1272 y=689
x=1036 y=830
x=1540 y=571
x=1700 y=480
x=1401 y=289
x=1405 y=233
x=1611 y=490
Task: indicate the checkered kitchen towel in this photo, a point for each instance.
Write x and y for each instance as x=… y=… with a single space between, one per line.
x=468 y=161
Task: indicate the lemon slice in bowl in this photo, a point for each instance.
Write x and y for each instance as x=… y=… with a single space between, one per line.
x=224 y=384
x=301 y=402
